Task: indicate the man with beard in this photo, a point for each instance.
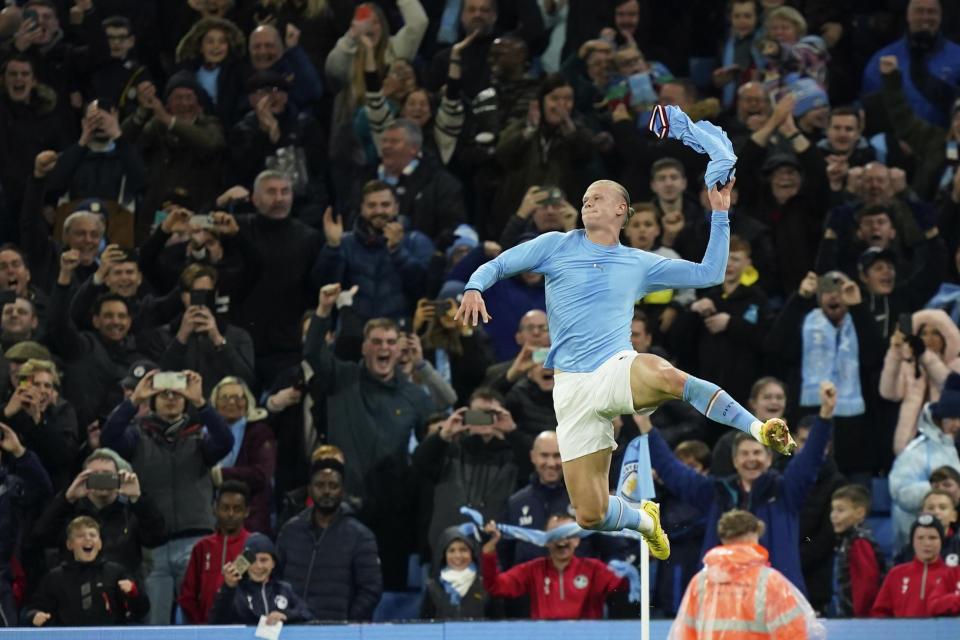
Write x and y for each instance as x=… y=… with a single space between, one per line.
x=930 y=62
x=371 y=413
x=94 y=361
x=386 y=262
x=327 y=554
x=171 y=450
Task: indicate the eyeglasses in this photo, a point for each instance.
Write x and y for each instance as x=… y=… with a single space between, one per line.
x=169 y=393
x=231 y=397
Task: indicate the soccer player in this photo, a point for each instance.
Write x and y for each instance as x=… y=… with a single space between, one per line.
x=592 y=282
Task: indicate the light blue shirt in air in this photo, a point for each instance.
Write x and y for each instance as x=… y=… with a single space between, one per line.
x=591 y=288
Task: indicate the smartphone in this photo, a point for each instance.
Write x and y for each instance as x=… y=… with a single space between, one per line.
x=477 y=417
x=26 y=382
x=905 y=323
x=31 y=14
x=176 y=380
x=440 y=307
x=103 y=480
x=202 y=298
x=539 y=355
x=202 y=221
x=244 y=560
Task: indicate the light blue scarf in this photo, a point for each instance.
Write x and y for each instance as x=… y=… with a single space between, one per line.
x=572 y=530
x=238 y=429
x=831 y=353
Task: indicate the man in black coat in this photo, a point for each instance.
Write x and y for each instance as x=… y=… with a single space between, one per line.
x=327 y=555
x=271 y=313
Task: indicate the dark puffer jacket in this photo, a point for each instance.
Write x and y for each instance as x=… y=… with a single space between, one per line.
x=246 y=602
x=335 y=570
x=389 y=281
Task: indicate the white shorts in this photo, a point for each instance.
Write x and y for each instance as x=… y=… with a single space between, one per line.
x=585 y=404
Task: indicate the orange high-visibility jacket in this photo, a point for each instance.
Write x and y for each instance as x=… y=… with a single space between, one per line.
x=736 y=596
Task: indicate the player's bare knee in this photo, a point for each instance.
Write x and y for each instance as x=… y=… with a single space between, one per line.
x=671 y=380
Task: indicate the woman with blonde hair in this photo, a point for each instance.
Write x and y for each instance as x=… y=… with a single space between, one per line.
x=345 y=64
x=253 y=457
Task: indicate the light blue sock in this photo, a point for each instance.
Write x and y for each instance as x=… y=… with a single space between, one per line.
x=621 y=515
x=716 y=404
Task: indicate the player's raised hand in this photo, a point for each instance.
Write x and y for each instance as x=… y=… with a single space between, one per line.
x=720 y=198
x=471 y=308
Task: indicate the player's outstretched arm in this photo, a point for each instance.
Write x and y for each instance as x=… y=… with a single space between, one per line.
x=471 y=308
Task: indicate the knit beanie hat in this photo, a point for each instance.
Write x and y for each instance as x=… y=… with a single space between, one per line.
x=949 y=404
x=259 y=543
x=809 y=95
x=928 y=521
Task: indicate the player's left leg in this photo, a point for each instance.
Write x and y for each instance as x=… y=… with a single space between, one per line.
x=586 y=479
x=654 y=381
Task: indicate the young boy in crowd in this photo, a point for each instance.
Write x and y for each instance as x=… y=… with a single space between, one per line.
x=946 y=479
x=940 y=505
x=86 y=590
x=906 y=590
x=205 y=571
x=245 y=597
x=859 y=563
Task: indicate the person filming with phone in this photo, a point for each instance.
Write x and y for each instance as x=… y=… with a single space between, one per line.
x=171 y=448
x=201 y=339
x=471 y=461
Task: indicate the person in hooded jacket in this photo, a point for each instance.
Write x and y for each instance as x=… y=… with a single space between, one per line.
x=212 y=51
x=245 y=599
x=723 y=596
x=934 y=446
x=87 y=590
x=328 y=556
x=454 y=590
x=930 y=351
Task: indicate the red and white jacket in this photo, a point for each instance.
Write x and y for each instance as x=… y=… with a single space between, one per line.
x=576 y=592
x=907 y=589
x=205 y=573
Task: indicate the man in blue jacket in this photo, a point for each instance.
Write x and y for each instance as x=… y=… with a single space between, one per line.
x=327 y=555
x=931 y=63
x=774 y=498
x=384 y=259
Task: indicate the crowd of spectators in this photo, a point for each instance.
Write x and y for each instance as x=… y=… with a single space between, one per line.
x=233 y=237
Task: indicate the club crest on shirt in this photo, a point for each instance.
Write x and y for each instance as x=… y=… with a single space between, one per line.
x=281 y=602
x=951 y=560
x=581 y=582
x=525 y=518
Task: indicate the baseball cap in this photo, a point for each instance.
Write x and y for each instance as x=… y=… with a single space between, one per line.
x=872 y=254
x=136 y=372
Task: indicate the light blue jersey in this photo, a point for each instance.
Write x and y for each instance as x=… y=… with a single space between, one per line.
x=591 y=288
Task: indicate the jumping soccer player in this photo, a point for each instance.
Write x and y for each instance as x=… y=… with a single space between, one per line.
x=592 y=283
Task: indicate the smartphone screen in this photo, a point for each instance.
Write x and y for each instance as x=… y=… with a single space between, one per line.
x=477 y=418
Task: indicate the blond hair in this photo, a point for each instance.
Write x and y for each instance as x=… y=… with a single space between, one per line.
x=736 y=523
x=35 y=365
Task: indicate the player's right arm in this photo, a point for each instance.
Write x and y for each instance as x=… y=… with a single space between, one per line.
x=527 y=256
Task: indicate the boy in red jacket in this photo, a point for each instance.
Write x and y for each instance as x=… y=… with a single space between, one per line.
x=205 y=571
x=560 y=586
x=908 y=587
x=859 y=563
